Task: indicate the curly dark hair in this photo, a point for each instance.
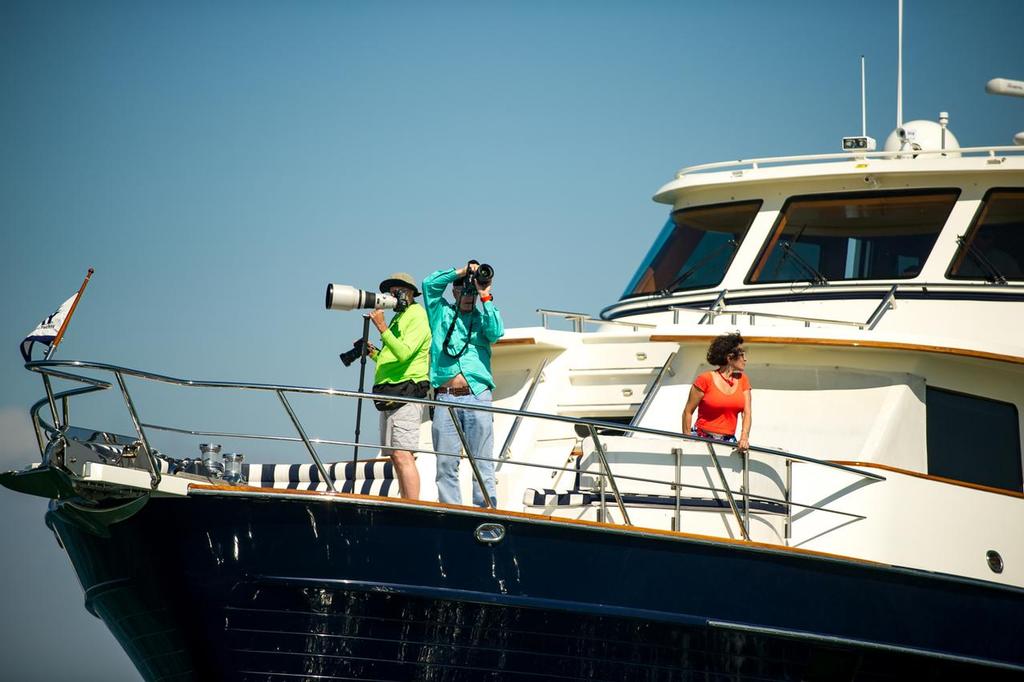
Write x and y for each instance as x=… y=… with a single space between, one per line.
x=722 y=347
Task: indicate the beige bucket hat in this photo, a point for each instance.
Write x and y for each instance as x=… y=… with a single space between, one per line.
x=403 y=279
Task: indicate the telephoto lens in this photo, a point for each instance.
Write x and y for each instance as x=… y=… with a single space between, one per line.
x=345 y=297
x=484 y=274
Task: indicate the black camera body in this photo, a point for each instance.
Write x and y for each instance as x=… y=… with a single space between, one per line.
x=353 y=354
x=483 y=275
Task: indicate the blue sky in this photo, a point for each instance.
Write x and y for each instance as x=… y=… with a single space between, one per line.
x=218 y=163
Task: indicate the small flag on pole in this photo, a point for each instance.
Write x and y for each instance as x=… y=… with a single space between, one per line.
x=51 y=330
x=47 y=330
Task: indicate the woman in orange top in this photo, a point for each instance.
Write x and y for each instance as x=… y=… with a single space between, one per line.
x=721 y=395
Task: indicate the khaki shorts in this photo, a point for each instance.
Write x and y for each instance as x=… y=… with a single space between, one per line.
x=400 y=429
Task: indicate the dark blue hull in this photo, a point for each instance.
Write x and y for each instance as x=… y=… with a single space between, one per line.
x=251 y=588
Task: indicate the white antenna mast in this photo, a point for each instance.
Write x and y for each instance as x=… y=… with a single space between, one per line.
x=899 y=70
x=863 y=143
x=863 y=102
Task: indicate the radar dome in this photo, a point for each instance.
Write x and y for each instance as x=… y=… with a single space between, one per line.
x=921 y=136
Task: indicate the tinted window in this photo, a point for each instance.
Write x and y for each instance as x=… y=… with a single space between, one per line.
x=993 y=248
x=973 y=439
x=694 y=248
x=856 y=236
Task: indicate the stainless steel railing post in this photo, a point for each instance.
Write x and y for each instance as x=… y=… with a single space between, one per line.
x=38 y=429
x=728 y=491
x=885 y=306
x=789 y=499
x=154 y=469
x=745 y=454
x=49 y=397
x=709 y=316
x=653 y=390
x=472 y=460
x=678 y=521
x=522 y=408
x=328 y=479
x=608 y=472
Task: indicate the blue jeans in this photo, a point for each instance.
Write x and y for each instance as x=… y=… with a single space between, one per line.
x=478 y=426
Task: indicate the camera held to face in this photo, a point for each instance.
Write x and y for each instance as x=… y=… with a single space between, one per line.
x=482 y=275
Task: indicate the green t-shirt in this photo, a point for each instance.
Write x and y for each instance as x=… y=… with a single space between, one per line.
x=406 y=352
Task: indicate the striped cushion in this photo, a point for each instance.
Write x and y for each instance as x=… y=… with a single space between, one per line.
x=369 y=477
x=267 y=475
x=552 y=498
x=694 y=503
x=384 y=487
x=576 y=498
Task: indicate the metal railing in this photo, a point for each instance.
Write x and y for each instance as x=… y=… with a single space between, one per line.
x=58 y=369
x=718 y=308
x=537 y=377
x=653 y=390
x=990 y=152
x=580 y=319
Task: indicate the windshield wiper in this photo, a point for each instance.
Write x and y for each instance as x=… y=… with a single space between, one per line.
x=816 y=276
x=982 y=262
x=697 y=266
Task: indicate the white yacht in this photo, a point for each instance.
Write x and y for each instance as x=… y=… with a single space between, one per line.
x=874 y=530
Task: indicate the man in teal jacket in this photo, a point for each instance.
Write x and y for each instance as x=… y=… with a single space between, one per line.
x=402 y=370
x=460 y=372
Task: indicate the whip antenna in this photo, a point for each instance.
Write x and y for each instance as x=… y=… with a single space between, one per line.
x=863 y=101
x=899 y=69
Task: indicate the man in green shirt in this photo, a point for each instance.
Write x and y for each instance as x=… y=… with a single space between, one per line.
x=460 y=372
x=402 y=370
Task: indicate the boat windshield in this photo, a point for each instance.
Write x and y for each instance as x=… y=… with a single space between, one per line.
x=875 y=235
x=993 y=248
x=694 y=248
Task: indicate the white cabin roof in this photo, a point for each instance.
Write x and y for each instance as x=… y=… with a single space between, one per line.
x=787 y=169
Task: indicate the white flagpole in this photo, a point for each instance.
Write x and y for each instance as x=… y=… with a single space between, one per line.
x=53 y=347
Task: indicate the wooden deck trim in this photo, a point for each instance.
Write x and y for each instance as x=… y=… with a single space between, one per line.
x=929 y=477
x=256 y=491
x=853 y=343
x=516 y=342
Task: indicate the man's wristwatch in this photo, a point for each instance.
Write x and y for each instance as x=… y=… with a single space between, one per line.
x=485 y=298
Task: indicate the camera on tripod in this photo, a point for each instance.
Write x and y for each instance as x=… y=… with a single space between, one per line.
x=345 y=297
x=482 y=275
